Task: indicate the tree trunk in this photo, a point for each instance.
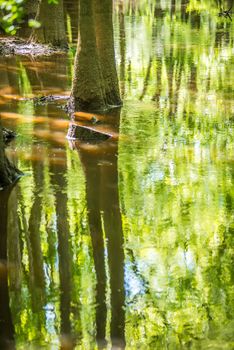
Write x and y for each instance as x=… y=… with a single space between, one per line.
x=30 y=11
x=52 y=30
x=95 y=85
x=88 y=86
x=122 y=45
x=8 y=172
x=72 y=10
x=106 y=51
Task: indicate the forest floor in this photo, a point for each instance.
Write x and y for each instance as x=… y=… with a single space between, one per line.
x=10 y=46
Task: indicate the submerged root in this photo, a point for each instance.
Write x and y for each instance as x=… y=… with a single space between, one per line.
x=9 y=173
x=8 y=135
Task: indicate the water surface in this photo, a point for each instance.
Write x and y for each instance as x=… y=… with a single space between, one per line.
x=126 y=242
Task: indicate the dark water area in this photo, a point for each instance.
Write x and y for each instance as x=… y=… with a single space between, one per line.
x=125 y=243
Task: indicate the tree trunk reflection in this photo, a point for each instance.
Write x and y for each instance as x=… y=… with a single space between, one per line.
x=6 y=325
x=58 y=181
x=100 y=166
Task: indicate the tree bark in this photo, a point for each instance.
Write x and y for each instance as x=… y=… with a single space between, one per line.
x=30 y=11
x=122 y=45
x=95 y=84
x=52 y=30
x=88 y=87
x=8 y=172
x=71 y=8
x=106 y=51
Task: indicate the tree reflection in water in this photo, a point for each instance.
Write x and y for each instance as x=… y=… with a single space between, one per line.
x=64 y=251
x=99 y=161
x=6 y=325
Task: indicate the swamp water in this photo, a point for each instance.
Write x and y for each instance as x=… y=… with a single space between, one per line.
x=129 y=241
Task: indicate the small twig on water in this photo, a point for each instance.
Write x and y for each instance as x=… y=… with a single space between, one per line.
x=225 y=13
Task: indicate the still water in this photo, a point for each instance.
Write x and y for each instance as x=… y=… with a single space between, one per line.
x=126 y=243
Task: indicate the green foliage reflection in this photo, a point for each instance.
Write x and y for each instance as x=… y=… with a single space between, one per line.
x=174 y=238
